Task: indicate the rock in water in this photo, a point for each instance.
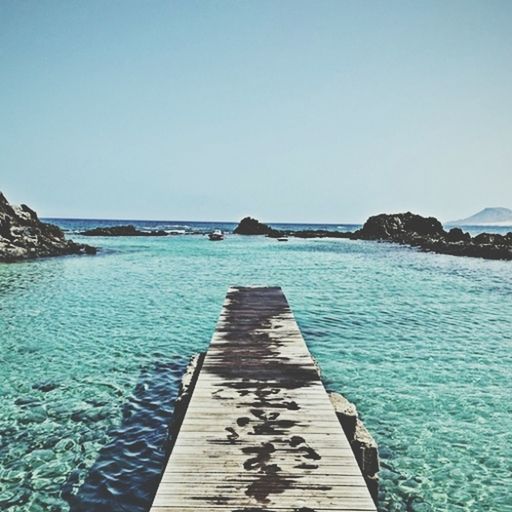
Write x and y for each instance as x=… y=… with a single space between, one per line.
x=127 y=230
x=250 y=226
x=24 y=236
x=363 y=445
x=400 y=226
x=457 y=235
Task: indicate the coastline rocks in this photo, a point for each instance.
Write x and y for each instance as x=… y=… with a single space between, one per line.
x=24 y=236
x=250 y=226
x=428 y=234
x=126 y=230
x=457 y=235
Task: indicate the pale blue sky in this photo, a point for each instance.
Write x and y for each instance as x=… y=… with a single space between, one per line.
x=285 y=110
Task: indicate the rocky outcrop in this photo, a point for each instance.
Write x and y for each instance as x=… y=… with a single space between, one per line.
x=250 y=226
x=363 y=445
x=400 y=227
x=457 y=235
x=319 y=233
x=24 y=236
x=126 y=230
x=428 y=234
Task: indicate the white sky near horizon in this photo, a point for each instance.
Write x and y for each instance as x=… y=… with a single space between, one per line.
x=291 y=111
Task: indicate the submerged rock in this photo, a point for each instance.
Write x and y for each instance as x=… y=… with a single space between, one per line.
x=126 y=230
x=45 y=387
x=24 y=236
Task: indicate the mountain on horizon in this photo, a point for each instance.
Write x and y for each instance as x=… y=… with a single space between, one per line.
x=486 y=217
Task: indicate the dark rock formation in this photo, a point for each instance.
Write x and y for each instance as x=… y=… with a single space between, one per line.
x=319 y=233
x=24 y=236
x=428 y=234
x=127 y=230
x=400 y=227
x=457 y=235
x=250 y=226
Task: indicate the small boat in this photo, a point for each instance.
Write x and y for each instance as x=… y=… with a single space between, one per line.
x=216 y=235
x=282 y=239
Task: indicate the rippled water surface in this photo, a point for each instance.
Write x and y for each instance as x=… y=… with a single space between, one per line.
x=92 y=349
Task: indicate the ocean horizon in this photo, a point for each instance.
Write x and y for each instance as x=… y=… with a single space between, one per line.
x=75 y=225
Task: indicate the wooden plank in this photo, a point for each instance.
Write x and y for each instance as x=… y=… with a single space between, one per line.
x=222 y=478
x=224 y=508
x=313 y=500
x=260 y=433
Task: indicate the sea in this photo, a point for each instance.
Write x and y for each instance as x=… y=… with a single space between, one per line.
x=92 y=349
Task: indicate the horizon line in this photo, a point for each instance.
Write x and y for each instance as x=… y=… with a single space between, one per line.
x=203 y=221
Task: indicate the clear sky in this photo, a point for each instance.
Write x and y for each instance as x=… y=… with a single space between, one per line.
x=285 y=110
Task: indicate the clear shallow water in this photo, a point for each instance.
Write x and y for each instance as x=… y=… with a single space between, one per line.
x=92 y=349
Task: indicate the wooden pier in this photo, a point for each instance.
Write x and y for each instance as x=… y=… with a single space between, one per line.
x=260 y=433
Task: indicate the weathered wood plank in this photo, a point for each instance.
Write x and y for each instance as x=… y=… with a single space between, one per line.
x=223 y=478
x=229 y=508
x=260 y=433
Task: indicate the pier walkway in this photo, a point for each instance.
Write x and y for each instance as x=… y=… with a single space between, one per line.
x=260 y=433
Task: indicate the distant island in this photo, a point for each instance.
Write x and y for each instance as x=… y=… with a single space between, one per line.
x=486 y=217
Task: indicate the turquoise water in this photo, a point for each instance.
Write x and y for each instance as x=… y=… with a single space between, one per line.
x=92 y=349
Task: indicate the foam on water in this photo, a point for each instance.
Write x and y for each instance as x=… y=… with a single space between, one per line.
x=92 y=349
